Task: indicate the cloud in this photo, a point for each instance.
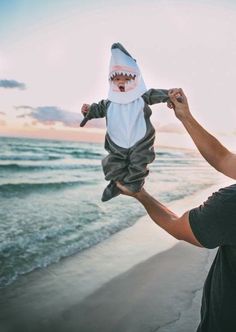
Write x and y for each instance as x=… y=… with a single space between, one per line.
x=24 y=107
x=49 y=115
x=3 y=123
x=12 y=84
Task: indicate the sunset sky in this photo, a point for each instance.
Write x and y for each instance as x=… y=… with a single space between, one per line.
x=54 y=56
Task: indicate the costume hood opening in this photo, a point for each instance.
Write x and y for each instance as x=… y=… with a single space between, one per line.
x=122 y=63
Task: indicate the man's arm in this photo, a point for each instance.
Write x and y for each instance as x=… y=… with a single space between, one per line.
x=178 y=227
x=211 y=149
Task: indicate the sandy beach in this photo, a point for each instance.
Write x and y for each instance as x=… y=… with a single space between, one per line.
x=154 y=290
x=161 y=294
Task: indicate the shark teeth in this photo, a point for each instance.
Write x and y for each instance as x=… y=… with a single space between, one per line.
x=124 y=73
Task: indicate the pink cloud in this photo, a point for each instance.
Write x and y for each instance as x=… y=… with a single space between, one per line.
x=3 y=123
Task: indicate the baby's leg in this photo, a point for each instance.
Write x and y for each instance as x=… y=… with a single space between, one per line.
x=139 y=159
x=115 y=168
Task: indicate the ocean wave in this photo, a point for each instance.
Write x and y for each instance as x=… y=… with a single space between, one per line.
x=45 y=248
x=52 y=209
x=50 y=157
x=25 y=188
x=87 y=154
x=37 y=167
x=170 y=154
x=29 y=157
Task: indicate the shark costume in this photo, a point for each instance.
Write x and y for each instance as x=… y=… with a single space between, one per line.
x=130 y=135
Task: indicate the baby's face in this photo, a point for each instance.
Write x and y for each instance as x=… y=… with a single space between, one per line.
x=120 y=81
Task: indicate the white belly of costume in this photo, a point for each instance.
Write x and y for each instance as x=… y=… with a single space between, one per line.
x=126 y=124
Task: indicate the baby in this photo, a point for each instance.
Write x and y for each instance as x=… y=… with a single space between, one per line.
x=130 y=135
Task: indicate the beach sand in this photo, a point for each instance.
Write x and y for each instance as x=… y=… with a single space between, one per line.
x=121 y=290
x=161 y=294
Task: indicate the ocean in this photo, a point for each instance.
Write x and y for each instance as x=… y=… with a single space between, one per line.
x=50 y=198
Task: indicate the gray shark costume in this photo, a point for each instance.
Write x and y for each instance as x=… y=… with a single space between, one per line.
x=130 y=135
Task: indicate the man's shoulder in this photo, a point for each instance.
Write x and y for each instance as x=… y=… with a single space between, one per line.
x=227 y=194
x=213 y=222
x=221 y=197
x=225 y=199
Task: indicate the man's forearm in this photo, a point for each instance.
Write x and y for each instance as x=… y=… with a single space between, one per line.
x=210 y=148
x=159 y=213
x=178 y=227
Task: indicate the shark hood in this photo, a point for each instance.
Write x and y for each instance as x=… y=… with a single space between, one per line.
x=123 y=63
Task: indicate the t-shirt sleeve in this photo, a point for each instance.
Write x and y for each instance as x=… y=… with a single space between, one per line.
x=214 y=222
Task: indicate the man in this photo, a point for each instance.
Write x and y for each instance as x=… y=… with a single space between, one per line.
x=211 y=225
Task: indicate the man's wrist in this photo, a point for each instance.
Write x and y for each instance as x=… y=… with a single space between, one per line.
x=140 y=195
x=186 y=118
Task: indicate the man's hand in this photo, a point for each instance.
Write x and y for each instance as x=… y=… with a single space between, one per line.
x=179 y=103
x=85 y=109
x=127 y=192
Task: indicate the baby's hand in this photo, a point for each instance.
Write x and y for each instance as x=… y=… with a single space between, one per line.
x=85 y=109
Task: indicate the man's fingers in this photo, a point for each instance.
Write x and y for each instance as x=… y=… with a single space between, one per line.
x=177 y=95
x=173 y=92
x=119 y=185
x=170 y=104
x=183 y=95
x=123 y=189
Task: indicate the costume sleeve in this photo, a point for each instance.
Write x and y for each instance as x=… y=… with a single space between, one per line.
x=213 y=222
x=155 y=96
x=98 y=110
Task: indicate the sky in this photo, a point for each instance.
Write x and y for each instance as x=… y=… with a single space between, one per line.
x=54 y=56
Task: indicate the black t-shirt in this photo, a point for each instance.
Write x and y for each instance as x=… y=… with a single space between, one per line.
x=214 y=225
